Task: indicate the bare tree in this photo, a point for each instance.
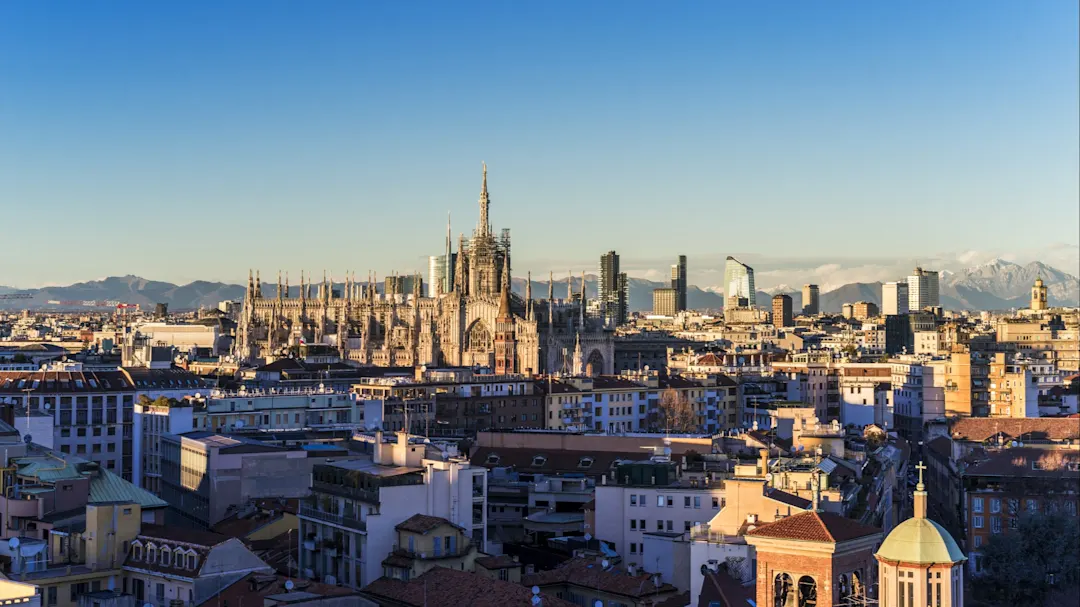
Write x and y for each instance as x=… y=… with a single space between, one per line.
x=675 y=413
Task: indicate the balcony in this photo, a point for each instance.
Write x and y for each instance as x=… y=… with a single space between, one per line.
x=370 y=496
x=329 y=517
x=455 y=551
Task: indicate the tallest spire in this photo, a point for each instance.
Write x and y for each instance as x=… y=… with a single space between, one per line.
x=485 y=225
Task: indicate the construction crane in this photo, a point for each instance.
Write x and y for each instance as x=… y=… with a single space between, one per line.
x=16 y=295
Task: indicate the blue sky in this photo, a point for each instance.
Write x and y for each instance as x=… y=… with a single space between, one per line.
x=194 y=139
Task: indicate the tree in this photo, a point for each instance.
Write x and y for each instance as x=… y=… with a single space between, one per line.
x=1023 y=566
x=675 y=413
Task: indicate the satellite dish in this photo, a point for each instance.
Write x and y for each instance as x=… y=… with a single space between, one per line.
x=47 y=406
x=535 y=600
x=536 y=590
x=598 y=603
x=289 y=585
x=239 y=423
x=605 y=563
x=588 y=537
x=28 y=439
x=768 y=477
x=198 y=396
x=13 y=543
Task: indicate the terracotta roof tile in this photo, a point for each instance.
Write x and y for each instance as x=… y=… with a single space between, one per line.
x=978 y=429
x=421 y=523
x=451 y=588
x=815 y=527
x=589 y=574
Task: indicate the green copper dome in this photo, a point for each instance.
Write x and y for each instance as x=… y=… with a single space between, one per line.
x=920 y=541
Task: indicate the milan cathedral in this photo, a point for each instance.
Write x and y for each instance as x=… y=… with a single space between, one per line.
x=472 y=320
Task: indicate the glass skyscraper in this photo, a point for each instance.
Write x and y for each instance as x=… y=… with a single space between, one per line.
x=739 y=281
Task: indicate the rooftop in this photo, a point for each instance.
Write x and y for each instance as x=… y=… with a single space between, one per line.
x=815 y=527
x=442 y=586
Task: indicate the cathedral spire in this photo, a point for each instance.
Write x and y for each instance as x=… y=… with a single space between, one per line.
x=279 y=285
x=551 y=301
x=286 y=284
x=583 y=300
x=528 y=297
x=251 y=286
x=485 y=225
x=258 y=284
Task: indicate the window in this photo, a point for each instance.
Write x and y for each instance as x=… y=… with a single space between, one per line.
x=995 y=524
x=659 y=525
x=539 y=461
x=670 y=527
x=977 y=522
x=715 y=502
x=641 y=501
x=659 y=501
x=633 y=500
x=151 y=553
x=136 y=551
x=641 y=524
x=995 y=505
x=633 y=547
x=670 y=502
x=697 y=502
x=1032 y=506
x=633 y=524
x=978 y=541
x=686 y=501
x=51 y=594
x=977 y=504
x=191 y=560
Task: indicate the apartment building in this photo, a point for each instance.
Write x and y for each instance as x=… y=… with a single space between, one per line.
x=918 y=392
x=1012 y=482
x=278 y=409
x=423 y=542
x=866 y=394
x=652 y=496
x=154 y=419
x=630 y=402
x=347 y=526
x=1013 y=390
x=167 y=566
x=92 y=412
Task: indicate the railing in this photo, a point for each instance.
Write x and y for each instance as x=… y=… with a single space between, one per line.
x=329 y=517
x=703 y=534
x=459 y=550
x=366 y=495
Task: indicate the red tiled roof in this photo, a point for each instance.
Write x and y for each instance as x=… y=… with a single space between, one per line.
x=497 y=562
x=815 y=527
x=450 y=587
x=421 y=523
x=588 y=574
x=978 y=429
x=720 y=587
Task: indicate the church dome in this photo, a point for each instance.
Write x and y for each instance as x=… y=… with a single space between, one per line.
x=920 y=541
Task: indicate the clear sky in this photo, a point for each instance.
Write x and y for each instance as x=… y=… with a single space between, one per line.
x=192 y=139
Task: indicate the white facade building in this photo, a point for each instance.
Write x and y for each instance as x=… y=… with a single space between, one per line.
x=347 y=527
x=894 y=298
x=923 y=290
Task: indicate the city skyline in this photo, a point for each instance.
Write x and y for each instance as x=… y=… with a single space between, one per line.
x=251 y=123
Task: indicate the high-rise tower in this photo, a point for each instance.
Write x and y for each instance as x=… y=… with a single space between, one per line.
x=612 y=290
x=739 y=281
x=678 y=282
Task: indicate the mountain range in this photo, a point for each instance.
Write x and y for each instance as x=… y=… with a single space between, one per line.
x=997 y=285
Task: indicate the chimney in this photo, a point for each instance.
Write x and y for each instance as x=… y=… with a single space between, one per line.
x=764 y=457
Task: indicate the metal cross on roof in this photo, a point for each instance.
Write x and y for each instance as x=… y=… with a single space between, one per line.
x=920 y=467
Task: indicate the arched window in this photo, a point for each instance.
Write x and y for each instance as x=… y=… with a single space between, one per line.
x=784 y=591
x=807 y=592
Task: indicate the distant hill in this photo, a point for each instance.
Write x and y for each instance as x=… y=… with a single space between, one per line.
x=998 y=285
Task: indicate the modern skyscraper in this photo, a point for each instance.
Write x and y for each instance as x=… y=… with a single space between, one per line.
x=436 y=275
x=781 y=311
x=923 y=290
x=894 y=298
x=811 y=300
x=739 y=281
x=678 y=283
x=612 y=290
x=664 y=302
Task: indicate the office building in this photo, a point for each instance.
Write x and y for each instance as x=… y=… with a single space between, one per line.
x=894 y=298
x=612 y=290
x=781 y=310
x=436 y=275
x=204 y=474
x=403 y=285
x=739 y=281
x=678 y=283
x=665 y=302
x=811 y=300
x=923 y=290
